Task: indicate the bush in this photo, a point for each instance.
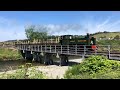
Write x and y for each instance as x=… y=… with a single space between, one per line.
x=95 y=67
x=9 y=54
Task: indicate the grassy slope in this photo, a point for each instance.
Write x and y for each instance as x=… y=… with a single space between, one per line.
x=108 y=35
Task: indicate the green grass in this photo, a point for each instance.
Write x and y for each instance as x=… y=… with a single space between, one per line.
x=9 y=54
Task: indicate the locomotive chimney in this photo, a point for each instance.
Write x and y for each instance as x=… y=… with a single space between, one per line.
x=88 y=35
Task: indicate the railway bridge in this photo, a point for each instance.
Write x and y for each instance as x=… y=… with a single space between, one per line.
x=45 y=53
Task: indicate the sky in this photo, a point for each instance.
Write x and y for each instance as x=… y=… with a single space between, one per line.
x=13 y=23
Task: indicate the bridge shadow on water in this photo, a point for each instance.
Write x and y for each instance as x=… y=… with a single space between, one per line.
x=10 y=65
x=73 y=63
x=69 y=64
x=14 y=64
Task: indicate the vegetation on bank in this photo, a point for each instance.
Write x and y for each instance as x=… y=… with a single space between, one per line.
x=94 y=67
x=9 y=54
x=24 y=72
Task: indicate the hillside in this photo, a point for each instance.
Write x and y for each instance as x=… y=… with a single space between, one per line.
x=107 y=38
x=106 y=35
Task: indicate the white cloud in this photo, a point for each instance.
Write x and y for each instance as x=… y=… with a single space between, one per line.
x=109 y=24
x=104 y=22
x=54 y=29
x=11 y=30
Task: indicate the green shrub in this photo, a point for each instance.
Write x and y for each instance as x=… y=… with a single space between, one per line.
x=94 y=67
x=9 y=54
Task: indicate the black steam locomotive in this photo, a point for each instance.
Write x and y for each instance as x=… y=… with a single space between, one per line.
x=88 y=41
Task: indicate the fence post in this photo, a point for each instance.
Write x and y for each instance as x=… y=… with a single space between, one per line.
x=50 y=48
x=68 y=49
x=76 y=49
x=34 y=47
x=108 y=51
x=24 y=47
x=61 y=49
x=38 y=48
x=45 y=48
x=84 y=49
x=95 y=51
x=55 y=48
x=41 y=48
x=84 y=52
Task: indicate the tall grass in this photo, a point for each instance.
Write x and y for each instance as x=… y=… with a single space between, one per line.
x=9 y=54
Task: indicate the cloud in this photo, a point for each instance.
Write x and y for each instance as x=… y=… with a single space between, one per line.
x=104 y=22
x=110 y=24
x=89 y=25
x=59 y=29
x=10 y=29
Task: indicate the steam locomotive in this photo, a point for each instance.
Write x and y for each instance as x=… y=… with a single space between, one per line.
x=88 y=41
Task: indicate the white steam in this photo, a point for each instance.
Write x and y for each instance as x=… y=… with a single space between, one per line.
x=55 y=29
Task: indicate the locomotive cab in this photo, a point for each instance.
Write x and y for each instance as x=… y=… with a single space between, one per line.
x=64 y=39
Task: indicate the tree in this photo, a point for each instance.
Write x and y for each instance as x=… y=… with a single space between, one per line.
x=105 y=32
x=29 y=31
x=32 y=32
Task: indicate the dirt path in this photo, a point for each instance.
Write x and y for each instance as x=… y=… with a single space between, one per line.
x=53 y=71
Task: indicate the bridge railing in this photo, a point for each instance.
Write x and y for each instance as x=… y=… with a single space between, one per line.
x=80 y=50
x=63 y=49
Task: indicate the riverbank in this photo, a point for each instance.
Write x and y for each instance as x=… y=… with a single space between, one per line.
x=51 y=71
